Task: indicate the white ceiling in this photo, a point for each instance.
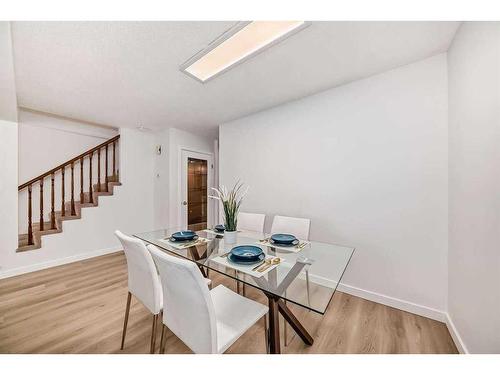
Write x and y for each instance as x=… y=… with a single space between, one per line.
x=127 y=73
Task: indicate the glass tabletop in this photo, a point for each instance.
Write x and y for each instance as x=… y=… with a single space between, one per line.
x=306 y=276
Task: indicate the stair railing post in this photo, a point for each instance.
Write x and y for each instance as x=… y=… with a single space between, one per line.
x=73 y=211
x=63 y=204
x=82 y=197
x=41 y=205
x=106 y=169
x=91 y=197
x=99 y=170
x=30 y=227
x=114 y=163
x=52 y=212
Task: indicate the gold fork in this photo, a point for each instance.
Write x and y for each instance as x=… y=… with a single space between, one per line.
x=265 y=261
x=272 y=262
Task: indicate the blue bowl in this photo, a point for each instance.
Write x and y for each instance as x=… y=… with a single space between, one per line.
x=185 y=235
x=246 y=253
x=236 y=260
x=285 y=239
x=220 y=228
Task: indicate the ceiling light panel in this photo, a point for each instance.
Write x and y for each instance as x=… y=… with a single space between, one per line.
x=241 y=42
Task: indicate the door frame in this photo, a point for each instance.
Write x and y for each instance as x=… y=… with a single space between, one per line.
x=184 y=155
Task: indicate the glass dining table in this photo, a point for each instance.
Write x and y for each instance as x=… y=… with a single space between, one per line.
x=307 y=275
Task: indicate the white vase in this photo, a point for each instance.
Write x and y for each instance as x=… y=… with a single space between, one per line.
x=230 y=237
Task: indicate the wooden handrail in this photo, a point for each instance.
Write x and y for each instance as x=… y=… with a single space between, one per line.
x=69 y=162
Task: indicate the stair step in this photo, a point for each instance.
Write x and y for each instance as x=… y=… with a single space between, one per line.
x=26 y=247
x=23 y=237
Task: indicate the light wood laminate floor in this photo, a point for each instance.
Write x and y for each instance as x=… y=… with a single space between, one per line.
x=79 y=308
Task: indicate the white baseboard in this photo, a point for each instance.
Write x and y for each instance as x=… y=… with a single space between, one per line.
x=397 y=303
x=56 y=262
x=455 y=335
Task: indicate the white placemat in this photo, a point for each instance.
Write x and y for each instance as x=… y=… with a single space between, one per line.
x=293 y=249
x=244 y=268
x=185 y=245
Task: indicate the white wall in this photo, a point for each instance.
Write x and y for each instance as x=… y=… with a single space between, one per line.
x=8 y=100
x=180 y=140
x=8 y=144
x=367 y=162
x=474 y=186
x=8 y=187
x=162 y=180
x=130 y=209
x=46 y=141
x=168 y=173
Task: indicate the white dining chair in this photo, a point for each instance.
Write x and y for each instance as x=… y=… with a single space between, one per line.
x=207 y=321
x=251 y=222
x=299 y=227
x=143 y=282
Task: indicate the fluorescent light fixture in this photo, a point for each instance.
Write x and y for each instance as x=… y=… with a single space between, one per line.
x=239 y=43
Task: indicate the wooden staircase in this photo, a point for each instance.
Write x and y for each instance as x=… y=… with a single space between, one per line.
x=70 y=209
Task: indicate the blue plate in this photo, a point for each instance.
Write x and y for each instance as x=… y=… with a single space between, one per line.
x=284 y=239
x=186 y=235
x=236 y=260
x=246 y=252
x=220 y=228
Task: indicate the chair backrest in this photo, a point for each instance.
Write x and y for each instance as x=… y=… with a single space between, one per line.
x=190 y=314
x=143 y=280
x=299 y=227
x=251 y=222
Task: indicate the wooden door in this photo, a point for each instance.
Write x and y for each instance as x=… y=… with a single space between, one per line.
x=197 y=178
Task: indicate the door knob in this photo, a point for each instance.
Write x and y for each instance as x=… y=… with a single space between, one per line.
x=184 y=203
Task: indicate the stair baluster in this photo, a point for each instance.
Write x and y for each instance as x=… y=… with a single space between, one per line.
x=30 y=227
x=106 y=169
x=63 y=203
x=82 y=197
x=114 y=163
x=91 y=196
x=41 y=205
x=99 y=170
x=73 y=210
x=52 y=212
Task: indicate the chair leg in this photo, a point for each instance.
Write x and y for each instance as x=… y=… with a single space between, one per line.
x=285 y=329
x=266 y=333
x=127 y=310
x=163 y=339
x=153 y=333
